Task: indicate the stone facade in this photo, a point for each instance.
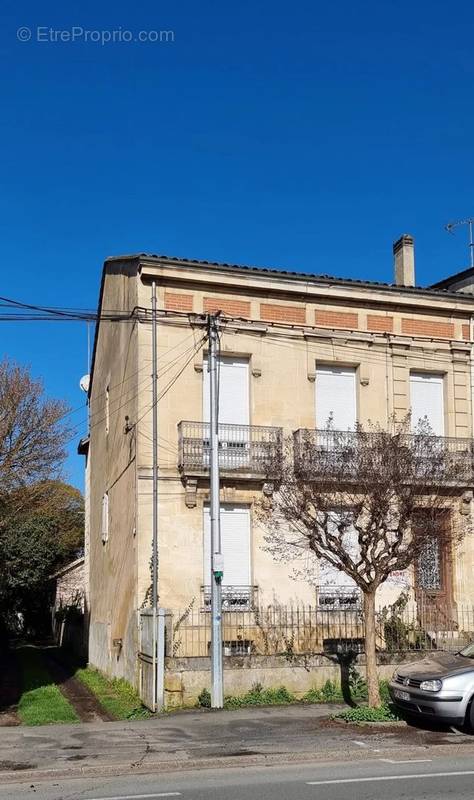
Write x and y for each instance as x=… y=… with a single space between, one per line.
x=285 y=324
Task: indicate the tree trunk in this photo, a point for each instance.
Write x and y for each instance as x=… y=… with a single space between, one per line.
x=370 y=650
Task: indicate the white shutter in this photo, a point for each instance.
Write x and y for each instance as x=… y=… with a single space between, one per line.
x=105 y=517
x=426 y=400
x=336 y=397
x=233 y=391
x=235 y=535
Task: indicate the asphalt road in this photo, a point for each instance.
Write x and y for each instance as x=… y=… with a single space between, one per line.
x=386 y=778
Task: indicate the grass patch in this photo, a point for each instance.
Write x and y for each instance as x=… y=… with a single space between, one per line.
x=115 y=695
x=384 y=713
x=41 y=702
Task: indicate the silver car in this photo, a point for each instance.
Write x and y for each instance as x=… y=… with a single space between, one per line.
x=440 y=686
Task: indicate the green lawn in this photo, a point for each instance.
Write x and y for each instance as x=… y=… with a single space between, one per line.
x=116 y=695
x=41 y=702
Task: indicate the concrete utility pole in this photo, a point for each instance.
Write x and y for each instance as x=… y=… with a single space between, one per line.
x=217 y=565
x=154 y=378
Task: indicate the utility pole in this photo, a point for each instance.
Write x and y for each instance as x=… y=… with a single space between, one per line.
x=217 y=565
x=154 y=378
x=154 y=579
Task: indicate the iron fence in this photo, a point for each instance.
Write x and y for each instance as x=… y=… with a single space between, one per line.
x=251 y=449
x=348 y=454
x=310 y=630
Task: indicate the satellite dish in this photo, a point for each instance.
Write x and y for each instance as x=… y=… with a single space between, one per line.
x=84 y=383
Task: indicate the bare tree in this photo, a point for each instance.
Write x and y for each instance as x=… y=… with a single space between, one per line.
x=368 y=502
x=33 y=435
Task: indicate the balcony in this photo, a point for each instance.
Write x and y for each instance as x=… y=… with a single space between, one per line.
x=245 y=451
x=234 y=598
x=346 y=455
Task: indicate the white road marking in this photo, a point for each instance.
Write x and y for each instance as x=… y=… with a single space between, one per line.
x=139 y=796
x=408 y=761
x=390 y=778
x=360 y=744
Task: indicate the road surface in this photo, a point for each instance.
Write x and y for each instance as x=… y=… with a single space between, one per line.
x=390 y=779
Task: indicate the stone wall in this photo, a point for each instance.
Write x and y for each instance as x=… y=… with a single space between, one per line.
x=185 y=678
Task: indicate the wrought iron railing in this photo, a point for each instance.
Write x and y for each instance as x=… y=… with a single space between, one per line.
x=250 y=449
x=310 y=630
x=338 y=597
x=234 y=598
x=344 y=454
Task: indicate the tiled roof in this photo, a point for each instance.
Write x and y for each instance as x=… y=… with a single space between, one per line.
x=286 y=273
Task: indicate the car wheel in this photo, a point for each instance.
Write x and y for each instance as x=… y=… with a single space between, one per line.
x=470 y=715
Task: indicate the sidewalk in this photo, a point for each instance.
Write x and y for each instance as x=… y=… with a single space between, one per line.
x=202 y=739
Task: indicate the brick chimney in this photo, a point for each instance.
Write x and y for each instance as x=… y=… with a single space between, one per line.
x=404 y=259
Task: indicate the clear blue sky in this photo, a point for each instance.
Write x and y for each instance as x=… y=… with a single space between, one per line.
x=304 y=135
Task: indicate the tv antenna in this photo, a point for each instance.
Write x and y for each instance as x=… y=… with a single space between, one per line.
x=470 y=223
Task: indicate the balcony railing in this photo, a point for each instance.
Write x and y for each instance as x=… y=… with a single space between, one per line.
x=344 y=455
x=234 y=598
x=336 y=598
x=243 y=449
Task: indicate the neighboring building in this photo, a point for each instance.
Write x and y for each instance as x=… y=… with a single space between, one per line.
x=295 y=349
x=70 y=585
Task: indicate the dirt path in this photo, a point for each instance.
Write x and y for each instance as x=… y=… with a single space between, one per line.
x=85 y=704
x=10 y=687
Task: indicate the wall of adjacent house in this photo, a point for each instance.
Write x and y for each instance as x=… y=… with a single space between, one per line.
x=70 y=585
x=112 y=462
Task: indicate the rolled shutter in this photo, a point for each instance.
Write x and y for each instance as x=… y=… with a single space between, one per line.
x=427 y=400
x=336 y=397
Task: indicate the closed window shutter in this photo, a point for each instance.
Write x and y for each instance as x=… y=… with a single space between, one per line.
x=233 y=391
x=426 y=400
x=336 y=397
x=235 y=535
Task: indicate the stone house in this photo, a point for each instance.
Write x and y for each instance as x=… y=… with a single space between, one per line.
x=295 y=348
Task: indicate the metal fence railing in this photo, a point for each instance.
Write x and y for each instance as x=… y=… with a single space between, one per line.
x=347 y=454
x=309 y=630
x=242 y=448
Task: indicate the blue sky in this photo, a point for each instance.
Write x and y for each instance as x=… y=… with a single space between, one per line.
x=303 y=135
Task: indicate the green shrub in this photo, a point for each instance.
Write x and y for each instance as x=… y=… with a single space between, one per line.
x=383 y=713
x=258 y=696
x=204 y=699
x=331 y=692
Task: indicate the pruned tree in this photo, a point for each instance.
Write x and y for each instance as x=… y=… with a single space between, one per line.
x=368 y=503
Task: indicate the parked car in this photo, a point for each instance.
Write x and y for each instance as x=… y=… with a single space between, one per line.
x=440 y=686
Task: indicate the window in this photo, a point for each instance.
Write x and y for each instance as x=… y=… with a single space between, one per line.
x=427 y=400
x=107 y=410
x=336 y=397
x=335 y=588
x=235 y=536
x=105 y=517
x=233 y=391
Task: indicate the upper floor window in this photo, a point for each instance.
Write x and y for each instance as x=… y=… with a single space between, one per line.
x=105 y=517
x=233 y=391
x=336 y=397
x=427 y=400
x=107 y=410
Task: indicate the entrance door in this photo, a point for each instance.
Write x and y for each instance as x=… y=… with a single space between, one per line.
x=427 y=401
x=433 y=575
